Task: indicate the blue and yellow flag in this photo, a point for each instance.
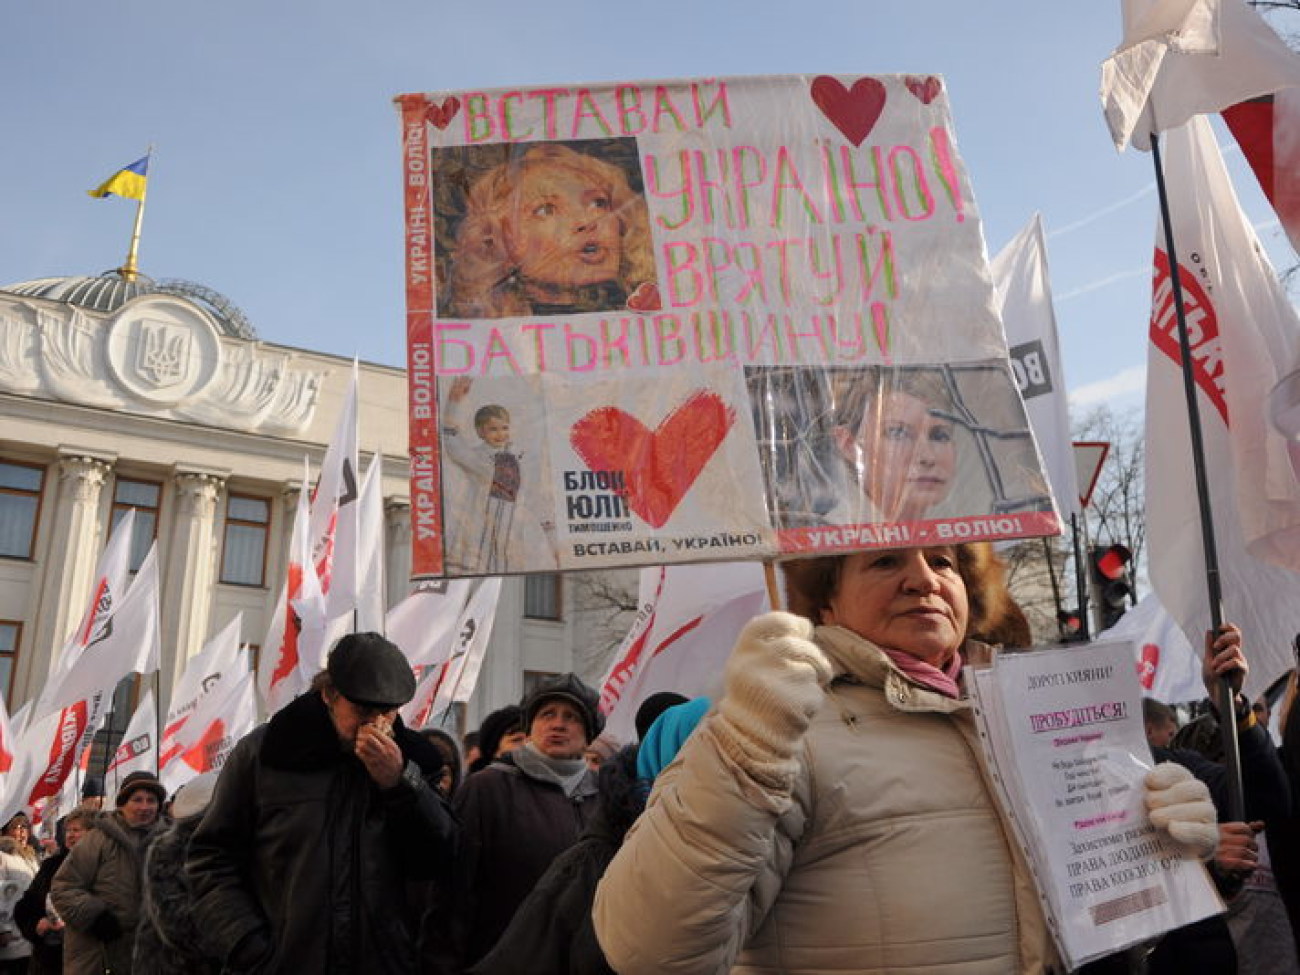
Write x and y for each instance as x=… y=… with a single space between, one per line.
x=127 y=182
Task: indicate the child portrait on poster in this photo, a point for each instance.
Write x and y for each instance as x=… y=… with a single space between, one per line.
x=495 y=519
x=549 y=231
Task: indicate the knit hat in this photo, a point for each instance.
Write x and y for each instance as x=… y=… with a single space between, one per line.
x=653 y=706
x=370 y=671
x=665 y=737
x=135 y=782
x=496 y=726
x=569 y=688
x=193 y=797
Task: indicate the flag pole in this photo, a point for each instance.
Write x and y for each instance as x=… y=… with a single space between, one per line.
x=1080 y=579
x=1223 y=692
x=131 y=269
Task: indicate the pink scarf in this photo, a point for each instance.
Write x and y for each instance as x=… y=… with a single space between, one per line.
x=941 y=680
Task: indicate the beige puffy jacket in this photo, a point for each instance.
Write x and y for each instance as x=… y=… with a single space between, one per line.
x=888 y=854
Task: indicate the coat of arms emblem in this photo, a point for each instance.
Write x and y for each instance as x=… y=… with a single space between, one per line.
x=163 y=352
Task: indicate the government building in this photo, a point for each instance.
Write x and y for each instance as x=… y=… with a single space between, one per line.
x=122 y=392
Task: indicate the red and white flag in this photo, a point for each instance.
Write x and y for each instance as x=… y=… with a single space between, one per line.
x=1168 y=667
x=1268 y=130
x=222 y=717
x=112 y=577
x=220 y=655
x=687 y=622
x=1243 y=337
x=1180 y=58
x=423 y=625
x=453 y=681
x=1024 y=296
x=332 y=524
x=281 y=674
x=138 y=749
x=371 y=579
x=126 y=642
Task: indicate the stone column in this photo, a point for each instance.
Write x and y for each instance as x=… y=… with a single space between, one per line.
x=188 y=574
x=397 y=549
x=76 y=540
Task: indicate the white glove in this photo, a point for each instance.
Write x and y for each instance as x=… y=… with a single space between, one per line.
x=775 y=681
x=1179 y=803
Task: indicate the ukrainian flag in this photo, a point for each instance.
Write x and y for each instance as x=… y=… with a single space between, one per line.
x=127 y=182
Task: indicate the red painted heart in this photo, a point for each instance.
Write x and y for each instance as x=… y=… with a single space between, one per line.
x=441 y=115
x=853 y=110
x=926 y=89
x=645 y=297
x=658 y=466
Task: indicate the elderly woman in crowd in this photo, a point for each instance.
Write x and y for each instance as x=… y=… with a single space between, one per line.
x=97 y=890
x=832 y=813
x=35 y=920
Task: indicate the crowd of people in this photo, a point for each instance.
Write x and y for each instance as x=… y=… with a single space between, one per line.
x=830 y=811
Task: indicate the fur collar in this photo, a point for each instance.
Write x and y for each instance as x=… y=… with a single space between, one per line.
x=300 y=738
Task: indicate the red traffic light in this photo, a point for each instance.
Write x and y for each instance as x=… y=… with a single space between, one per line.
x=1112 y=562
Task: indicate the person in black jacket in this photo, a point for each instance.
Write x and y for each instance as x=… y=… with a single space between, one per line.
x=32 y=913
x=320 y=821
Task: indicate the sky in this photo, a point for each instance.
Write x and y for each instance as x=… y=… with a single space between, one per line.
x=276 y=174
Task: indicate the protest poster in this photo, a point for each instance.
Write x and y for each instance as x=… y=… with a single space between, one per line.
x=701 y=320
x=1063 y=735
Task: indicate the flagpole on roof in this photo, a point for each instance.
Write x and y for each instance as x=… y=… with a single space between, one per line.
x=131 y=269
x=1224 y=697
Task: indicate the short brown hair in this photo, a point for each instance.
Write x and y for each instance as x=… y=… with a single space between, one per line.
x=811 y=584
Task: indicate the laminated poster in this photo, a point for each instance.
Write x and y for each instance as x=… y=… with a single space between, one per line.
x=1062 y=730
x=702 y=320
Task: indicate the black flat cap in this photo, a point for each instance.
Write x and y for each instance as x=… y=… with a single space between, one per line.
x=370 y=671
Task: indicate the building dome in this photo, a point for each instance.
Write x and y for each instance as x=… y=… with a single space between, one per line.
x=109 y=291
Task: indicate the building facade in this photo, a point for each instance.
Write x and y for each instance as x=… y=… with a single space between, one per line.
x=121 y=394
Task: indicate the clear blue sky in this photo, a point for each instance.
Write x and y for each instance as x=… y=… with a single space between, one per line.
x=276 y=175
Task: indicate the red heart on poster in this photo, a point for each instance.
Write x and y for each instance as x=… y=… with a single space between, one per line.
x=645 y=297
x=660 y=465
x=441 y=115
x=1148 y=665
x=853 y=110
x=926 y=89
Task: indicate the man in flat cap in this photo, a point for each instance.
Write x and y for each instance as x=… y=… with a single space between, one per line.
x=322 y=820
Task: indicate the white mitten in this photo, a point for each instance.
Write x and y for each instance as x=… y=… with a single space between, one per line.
x=1180 y=804
x=775 y=681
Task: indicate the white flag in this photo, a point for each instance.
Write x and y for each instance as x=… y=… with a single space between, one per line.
x=126 y=643
x=1181 y=58
x=221 y=655
x=1024 y=296
x=423 y=625
x=453 y=681
x=223 y=716
x=112 y=576
x=1239 y=328
x=138 y=749
x=1168 y=667
x=281 y=675
x=370 y=550
x=688 y=619
x=333 y=521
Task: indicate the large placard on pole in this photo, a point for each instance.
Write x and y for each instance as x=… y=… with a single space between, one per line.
x=713 y=319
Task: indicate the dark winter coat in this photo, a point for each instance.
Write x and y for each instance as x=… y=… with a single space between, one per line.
x=512 y=827
x=301 y=852
x=47 y=950
x=552 y=932
x=168 y=942
x=99 y=880
x=1284 y=834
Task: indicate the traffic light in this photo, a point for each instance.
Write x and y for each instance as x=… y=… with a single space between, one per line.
x=1110 y=583
x=1070 y=622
